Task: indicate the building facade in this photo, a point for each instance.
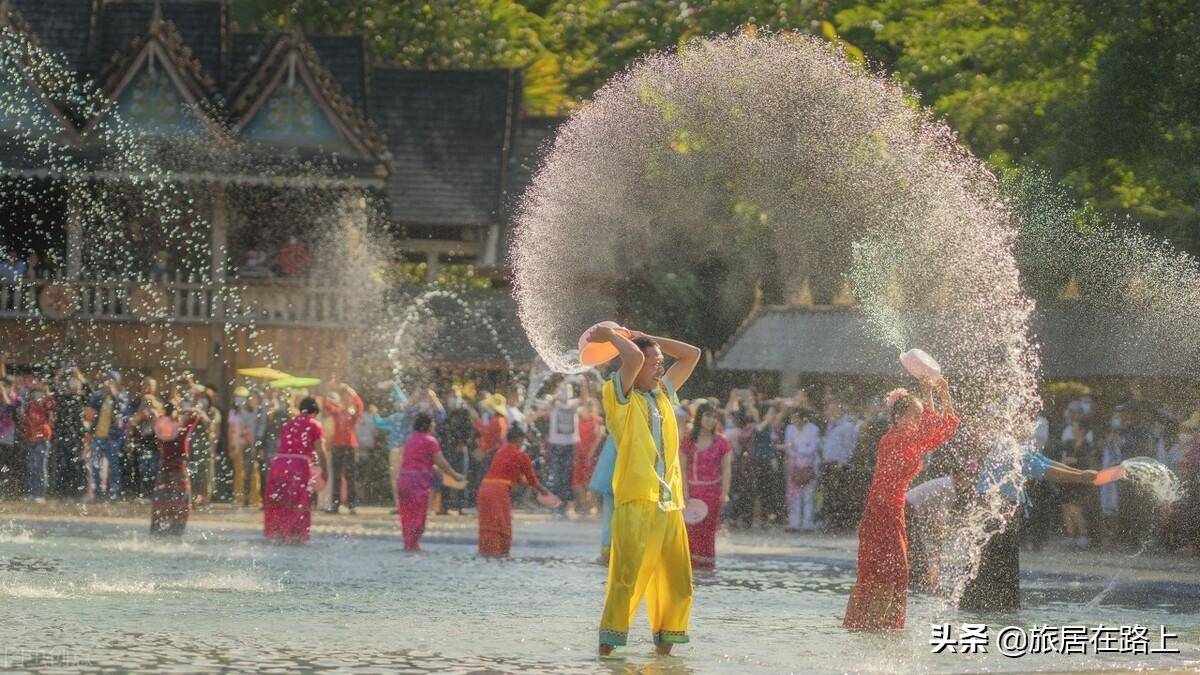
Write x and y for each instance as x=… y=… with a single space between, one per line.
x=257 y=128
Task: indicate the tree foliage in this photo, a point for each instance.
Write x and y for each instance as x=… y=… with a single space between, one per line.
x=1103 y=96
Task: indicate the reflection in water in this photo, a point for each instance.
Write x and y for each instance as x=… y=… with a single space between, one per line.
x=222 y=599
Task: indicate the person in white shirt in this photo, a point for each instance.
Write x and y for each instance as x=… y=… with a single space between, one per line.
x=563 y=416
x=802 y=441
x=836 y=449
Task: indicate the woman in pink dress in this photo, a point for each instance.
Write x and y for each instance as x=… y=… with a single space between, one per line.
x=706 y=459
x=287 y=514
x=421 y=452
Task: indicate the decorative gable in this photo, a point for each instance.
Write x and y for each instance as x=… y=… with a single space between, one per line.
x=291 y=99
x=153 y=103
x=291 y=114
x=157 y=87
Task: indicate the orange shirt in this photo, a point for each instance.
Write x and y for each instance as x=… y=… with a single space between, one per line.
x=513 y=465
x=492 y=434
x=344 y=421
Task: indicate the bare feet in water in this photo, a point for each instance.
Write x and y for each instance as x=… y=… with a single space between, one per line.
x=663 y=648
x=605 y=650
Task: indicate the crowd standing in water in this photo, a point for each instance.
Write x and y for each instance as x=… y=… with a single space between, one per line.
x=625 y=446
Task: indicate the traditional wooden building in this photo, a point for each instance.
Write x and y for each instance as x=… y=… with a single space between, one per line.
x=430 y=160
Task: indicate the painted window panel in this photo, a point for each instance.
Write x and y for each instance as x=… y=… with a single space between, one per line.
x=152 y=104
x=292 y=116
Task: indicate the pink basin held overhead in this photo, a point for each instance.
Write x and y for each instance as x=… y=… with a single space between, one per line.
x=920 y=364
x=166 y=429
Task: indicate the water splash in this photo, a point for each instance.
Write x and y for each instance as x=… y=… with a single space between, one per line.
x=132 y=193
x=1094 y=603
x=429 y=319
x=774 y=157
x=1154 y=478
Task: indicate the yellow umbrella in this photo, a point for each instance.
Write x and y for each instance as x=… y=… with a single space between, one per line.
x=295 y=383
x=264 y=373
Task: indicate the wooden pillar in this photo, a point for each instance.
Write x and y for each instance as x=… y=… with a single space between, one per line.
x=789 y=381
x=431 y=264
x=74 y=267
x=218 y=273
x=74 y=241
x=492 y=256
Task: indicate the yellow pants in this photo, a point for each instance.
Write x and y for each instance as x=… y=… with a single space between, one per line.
x=245 y=467
x=649 y=557
x=239 y=476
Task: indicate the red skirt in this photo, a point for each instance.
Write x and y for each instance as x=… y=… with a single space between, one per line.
x=172 y=501
x=702 y=537
x=582 y=468
x=879 y=599
x=287 y=504
x=495 y=517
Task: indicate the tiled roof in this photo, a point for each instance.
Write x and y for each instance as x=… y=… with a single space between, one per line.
x=808 y=340
x=345 y=57
x=531 y=138
x=1077 y=341
x=246 y=51
x=1083 y=339
x=61 y=26
x=446 y=133
x=198 y=24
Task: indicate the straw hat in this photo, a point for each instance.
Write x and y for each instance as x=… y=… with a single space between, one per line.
x=498 y=404
x=241 y=392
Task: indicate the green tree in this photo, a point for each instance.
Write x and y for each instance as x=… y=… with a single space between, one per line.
x=1103 y=96
x=429 y=34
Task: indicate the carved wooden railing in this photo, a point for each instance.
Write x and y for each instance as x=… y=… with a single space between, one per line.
x=265 y=302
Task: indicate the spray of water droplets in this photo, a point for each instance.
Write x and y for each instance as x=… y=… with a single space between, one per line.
x=137 y=197
x=1136 y=294
x=821 y=166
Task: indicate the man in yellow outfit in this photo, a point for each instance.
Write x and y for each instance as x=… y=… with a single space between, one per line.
x=649 y=539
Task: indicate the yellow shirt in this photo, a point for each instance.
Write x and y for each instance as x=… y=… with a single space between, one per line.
x=629 y=421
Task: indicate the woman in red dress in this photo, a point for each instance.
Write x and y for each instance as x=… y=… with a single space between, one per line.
x=706 y=461
x=590 y=424
x=511 y=466
x=172 y=501
x=880 y=597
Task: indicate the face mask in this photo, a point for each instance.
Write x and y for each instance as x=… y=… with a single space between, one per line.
x=452 y=403
x=1087 y=409
x=1116 y=423
x=239 y=401
x=37 y=395
x=201 y=404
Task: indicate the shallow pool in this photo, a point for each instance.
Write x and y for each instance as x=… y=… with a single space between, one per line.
x=80 y=595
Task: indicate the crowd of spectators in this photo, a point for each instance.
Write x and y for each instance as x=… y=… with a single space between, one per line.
x=801 y=462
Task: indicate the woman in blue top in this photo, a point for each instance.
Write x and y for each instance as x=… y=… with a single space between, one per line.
x=601 y=484
x=1002 y=479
